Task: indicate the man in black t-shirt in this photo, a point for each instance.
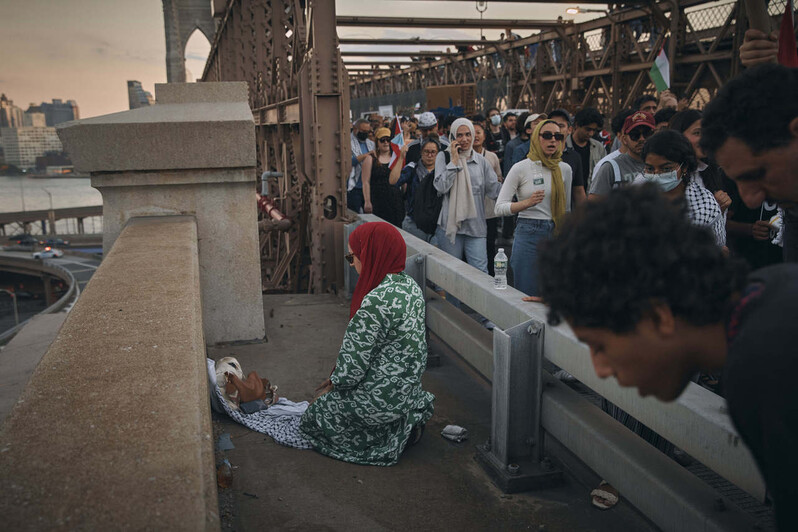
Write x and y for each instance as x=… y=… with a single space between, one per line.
x=751 y=129
x=658 y=302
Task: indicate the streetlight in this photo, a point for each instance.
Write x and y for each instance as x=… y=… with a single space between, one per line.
x=14 y=298
x=51 y=216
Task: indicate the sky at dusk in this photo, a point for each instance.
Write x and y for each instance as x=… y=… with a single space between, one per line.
x=86 y=50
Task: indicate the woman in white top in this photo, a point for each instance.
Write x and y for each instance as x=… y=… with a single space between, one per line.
x=542 y=183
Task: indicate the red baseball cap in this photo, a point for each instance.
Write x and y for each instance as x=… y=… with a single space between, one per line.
x=638 y=118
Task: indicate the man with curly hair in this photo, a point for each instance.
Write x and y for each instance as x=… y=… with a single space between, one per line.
x=751 y=130
x=660 y=302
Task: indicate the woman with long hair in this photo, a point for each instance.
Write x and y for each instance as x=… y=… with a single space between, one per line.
x=671 y=164
x=381 y=198
x=542 y=184
x=373 y=406
x=688 y=123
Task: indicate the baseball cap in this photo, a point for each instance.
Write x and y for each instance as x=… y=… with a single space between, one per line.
x=427 y=120
x=638 y=118
x=533 y=117
x=382 y=132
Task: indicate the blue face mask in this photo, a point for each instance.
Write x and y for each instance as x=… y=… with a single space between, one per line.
x=667 y=181
x=495 y=120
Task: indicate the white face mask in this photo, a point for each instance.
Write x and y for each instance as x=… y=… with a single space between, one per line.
x=495 y=120
x=667 y=181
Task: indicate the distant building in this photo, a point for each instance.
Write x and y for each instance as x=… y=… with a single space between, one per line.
x=137 y=96
x=22 y=145
x=34 y=119
x=10 y=114
x=56 y=112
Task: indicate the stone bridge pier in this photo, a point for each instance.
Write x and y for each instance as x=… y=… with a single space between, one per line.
x=193 y=153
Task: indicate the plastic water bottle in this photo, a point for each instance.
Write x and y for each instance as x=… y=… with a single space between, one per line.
x=500 y=270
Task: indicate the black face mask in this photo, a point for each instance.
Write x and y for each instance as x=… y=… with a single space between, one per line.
x=362 y=135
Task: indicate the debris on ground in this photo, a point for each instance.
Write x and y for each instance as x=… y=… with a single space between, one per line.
x=455 y=433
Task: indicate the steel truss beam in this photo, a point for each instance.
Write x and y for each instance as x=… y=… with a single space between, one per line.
x=601 y=63
x=399 y=22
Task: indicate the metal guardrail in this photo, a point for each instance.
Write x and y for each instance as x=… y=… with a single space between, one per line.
x=47 y=267
x=697 y=422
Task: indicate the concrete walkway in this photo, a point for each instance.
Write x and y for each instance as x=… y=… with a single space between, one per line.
x=437 y=485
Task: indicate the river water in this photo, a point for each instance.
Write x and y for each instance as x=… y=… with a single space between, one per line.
x=31 y=194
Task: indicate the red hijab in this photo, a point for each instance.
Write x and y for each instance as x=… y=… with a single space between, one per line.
x=381 y=250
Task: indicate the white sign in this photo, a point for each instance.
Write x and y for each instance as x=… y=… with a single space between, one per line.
x=386 y=110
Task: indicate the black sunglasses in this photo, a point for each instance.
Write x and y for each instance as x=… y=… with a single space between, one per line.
x=636 y=133
x=548 y=135
x=350 y=258
x=385 y=139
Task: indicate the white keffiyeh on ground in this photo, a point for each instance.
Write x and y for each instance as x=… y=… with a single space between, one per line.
x=280 y=421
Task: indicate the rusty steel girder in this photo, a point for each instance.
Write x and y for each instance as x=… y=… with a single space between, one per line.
x=602 y=63
x=287 y=52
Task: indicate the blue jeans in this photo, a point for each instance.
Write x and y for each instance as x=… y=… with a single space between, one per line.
x=410 y=226
x=524 y=260
x=473 y=247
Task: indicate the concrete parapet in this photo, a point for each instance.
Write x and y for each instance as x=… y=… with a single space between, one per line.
x=113 y=430
x=193 y=153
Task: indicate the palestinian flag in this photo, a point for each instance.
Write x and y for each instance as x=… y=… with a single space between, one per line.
x=396 y=143
x=661 y=71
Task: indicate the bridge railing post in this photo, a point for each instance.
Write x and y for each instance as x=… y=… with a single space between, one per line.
x=514 y=455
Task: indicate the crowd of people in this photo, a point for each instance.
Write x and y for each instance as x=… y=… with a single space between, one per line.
x=640 y=239
x=523 y=171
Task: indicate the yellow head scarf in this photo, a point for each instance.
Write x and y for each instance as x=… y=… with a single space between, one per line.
x=552 y=163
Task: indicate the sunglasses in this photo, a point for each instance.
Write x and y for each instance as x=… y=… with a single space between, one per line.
x=636 y=133
x=548 y=135
x=350 y=258
x=385 y=139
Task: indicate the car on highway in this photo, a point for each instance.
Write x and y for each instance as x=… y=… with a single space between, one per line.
x=22 y=239
x=48 y=253
x=54 y=242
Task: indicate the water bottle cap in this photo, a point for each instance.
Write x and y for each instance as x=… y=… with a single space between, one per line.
x=501 y=250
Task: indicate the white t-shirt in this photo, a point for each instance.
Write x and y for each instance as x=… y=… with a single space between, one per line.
x=525 y=178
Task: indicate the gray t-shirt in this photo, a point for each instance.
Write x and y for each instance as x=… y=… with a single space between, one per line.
x=604 y=180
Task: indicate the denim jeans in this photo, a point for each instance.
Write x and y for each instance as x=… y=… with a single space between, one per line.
x=472 y=247
x=410 y=226
x=524 y=259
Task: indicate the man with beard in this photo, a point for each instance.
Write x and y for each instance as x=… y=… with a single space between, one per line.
x=623 y=169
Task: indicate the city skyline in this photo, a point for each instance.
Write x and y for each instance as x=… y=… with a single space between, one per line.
x=87 y=50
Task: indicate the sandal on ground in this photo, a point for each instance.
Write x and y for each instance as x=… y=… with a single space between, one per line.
x=605 y=496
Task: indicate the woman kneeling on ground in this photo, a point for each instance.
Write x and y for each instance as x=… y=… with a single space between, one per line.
x=372 y=405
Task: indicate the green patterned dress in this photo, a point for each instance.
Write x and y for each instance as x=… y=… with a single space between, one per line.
x=377 y=397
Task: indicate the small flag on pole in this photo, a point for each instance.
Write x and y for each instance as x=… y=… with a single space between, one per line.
x=396 y=144
x=661 y=71
x=788 y=55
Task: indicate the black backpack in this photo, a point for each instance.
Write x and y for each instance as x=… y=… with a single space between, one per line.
x=427 y=202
